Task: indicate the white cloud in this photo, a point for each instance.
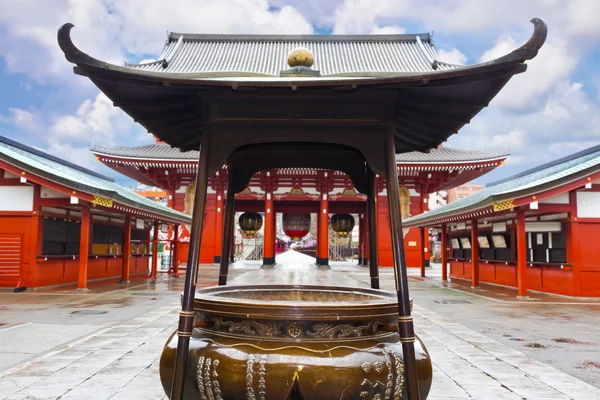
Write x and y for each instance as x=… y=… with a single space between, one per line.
x=388 y=30
x=568 y=120
x=95 y=121
x=452 y=56
x=555 y=61
x=21 y=119
x=110 y=29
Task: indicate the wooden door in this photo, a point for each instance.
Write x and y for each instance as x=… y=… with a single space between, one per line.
x=11 y=257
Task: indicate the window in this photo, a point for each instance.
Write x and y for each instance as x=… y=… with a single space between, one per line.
x=140 y=241
x=60 y=237
x=107 y=239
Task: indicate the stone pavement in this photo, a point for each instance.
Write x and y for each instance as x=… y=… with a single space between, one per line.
x=119 y=360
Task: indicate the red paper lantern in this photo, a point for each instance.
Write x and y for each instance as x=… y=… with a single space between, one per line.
x=296 y=226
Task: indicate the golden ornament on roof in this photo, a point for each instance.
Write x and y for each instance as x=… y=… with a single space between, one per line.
x=300 y=57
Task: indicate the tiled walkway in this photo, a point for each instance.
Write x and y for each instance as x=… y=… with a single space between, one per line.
x=121 y=361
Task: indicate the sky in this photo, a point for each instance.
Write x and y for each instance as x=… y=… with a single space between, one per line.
x=548 y=112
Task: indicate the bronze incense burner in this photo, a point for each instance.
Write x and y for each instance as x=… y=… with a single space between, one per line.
x=295 y=342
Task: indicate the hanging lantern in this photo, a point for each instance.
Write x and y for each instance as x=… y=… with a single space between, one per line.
x=250 y=223
x=296 y=226
x=342 y=224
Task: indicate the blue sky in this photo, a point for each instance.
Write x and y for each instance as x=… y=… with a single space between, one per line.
x=546 y=113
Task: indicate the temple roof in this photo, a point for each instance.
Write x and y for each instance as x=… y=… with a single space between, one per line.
x=266 y=55
x=164 y=152
x=523 y=185
x=56 y=170
x=387 y=83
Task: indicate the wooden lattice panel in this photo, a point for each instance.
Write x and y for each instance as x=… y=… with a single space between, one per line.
x=504 y=205
x=102 y=201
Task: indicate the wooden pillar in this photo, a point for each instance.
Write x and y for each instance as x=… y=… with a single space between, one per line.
x=573 y=244
x=84 y=248
x=372 y=231
x=228 y=226
x=154 y=254
x=323 y=221
x=269 y=231
x=175 y=251
x=405 y=322
x=186 y=316
x=474 y=254
x=444 y=253
x=126 y=268
x=219 y=225
x=361 y=239
x=521 y=255
x=424 y=236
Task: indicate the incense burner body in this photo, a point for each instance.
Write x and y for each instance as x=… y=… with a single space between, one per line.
x=294 y=342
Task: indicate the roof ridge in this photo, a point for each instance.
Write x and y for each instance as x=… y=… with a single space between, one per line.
x=550 y=164
x=403 y=37
x=50 y=157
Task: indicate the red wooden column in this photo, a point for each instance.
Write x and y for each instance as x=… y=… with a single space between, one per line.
x=521 y=255
x=126 y=250
x=474 y=254
x=84 y=248
x=269 y=231
x=361 y=239
x=574 y=244
x=174 y=251
x=323 y=221
x=219 y=224
x=424 y=234
x=154 y=254
x=444 y=254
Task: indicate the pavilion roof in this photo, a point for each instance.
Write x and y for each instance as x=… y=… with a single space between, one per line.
x=54 y=169
x=266 y=55
x=164 y=152
x=429 y=100
x=497 y=196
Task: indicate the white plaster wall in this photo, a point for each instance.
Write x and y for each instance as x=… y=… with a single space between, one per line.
x=47 y=193
x=562 y=198
x=10 y=175
x=588 y=204
x=16 y=198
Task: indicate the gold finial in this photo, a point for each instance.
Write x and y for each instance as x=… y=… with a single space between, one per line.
x=300 y=57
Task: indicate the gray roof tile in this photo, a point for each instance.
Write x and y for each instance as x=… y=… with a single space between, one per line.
x=261 y=55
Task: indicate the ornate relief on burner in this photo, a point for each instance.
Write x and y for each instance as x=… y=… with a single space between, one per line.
x=209 y=389
x=294 y=330
x=249 y=327
x=330 y=331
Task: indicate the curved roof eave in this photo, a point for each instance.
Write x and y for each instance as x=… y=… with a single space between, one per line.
x=526 y=52
x=128 y=153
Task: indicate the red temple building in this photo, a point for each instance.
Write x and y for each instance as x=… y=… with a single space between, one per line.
x=298 y=190
x=61 y=223
x=537 y=230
